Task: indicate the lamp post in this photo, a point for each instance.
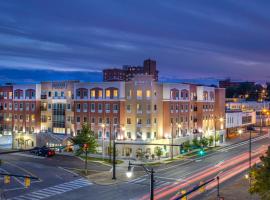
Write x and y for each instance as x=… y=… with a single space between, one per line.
x=250 y=129
x=148 y=171
x=102 y=137
x=114 y=154
x=172 y=141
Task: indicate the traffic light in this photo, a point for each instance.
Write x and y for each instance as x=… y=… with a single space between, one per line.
x=184 y=192
x=27 y=182
x=6 y=179
x=201 y=152
x=202 y=189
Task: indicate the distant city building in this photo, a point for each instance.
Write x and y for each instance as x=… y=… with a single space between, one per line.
x=128 y=72
x=228 y=83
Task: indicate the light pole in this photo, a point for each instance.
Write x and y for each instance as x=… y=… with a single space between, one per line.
x=250 y=129
x=218 y=194
x=102 y=137
x=172 y=141
x=148 y=171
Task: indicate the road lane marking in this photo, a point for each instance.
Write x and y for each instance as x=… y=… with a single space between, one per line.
x=54 y=190
x=28 y=155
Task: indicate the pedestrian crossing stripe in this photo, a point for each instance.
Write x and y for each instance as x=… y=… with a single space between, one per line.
x=54 y=190
x=157 y=183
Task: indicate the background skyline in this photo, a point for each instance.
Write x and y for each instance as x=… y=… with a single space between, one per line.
x=50 y=40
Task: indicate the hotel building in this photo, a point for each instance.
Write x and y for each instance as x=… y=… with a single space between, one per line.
x=135 y=109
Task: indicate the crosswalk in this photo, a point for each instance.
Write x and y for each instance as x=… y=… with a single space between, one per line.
x=145 y=181
x=54 y=190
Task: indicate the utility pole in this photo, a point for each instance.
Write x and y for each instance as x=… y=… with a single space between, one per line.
x=172 y=142
x=218 y=194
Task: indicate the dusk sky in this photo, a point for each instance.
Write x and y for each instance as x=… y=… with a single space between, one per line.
x=42 y=40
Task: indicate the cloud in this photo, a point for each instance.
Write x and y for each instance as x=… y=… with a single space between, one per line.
x=189 y=39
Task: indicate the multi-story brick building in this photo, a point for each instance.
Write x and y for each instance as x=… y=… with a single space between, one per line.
x=128 y=71
x=137 y=109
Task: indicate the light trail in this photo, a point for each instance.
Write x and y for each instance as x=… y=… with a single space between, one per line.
x=173 y=188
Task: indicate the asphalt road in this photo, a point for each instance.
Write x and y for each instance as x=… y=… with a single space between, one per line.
x=57 y=183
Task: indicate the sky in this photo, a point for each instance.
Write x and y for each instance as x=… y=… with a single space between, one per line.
x=190 y=40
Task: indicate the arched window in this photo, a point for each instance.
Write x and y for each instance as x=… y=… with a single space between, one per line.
x=174 y=94
x=205 y=95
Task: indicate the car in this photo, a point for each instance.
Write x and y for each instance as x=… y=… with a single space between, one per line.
x=35 y=150
x=46 y=152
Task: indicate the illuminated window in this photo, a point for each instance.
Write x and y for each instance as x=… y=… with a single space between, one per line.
x=108 y=93
x=115 y=93
x=100 y=94
x=148 y=93
x=93 y=93
x=32 y=118
x=69 y=94
x=129 y=93
x=139 y=93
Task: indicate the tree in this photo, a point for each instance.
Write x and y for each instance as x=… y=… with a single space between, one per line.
x=186 y=145
x=211 y=140
x=196 y=143
x=158 y=152
x=204 y=142
x=260 y=177
x=86 y=136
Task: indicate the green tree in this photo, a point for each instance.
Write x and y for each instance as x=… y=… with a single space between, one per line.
x=260 y=178
x=211 y=140
x=158 y=152
x=196 y=143
x=204 y=142
x=187 y=145
x=86 y=136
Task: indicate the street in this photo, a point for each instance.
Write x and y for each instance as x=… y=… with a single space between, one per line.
x=56 y=182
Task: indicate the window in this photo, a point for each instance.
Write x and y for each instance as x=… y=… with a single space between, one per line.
x=128 y=108
x=27 y=118
x=129 y=135
x=148 y=93
x=55 y=94
x=99 y=134
x=84 y=119
x=129 y=94
x=78 y=106
x=128 y=120
x=148 y=121
x=155 y=120
x=49 y=106
x=107 y=120
x=115 y=93
x=69 y=94
x=155 y=107
x=33 y=106
x=85 y=107
x=92 y=107
x=100 y=94
x=115 y=107
x=99 y=107
x=21 y=106
x=62 y=94
x=139 y=94
x=92 y=120
x=155 y=93
x=100 y=120
x=93 y=93
x=139 y=121
x=49 y=93
x=85 y=94
x=78 y=119
x=115 y=120
x=69 y=106
x=148 y=135
x=108 y=93
x=139 y=107
x=107 y=107
x=32 y=118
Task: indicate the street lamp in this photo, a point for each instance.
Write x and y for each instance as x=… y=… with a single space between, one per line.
x=250 y=129
x=172 y=141
x=102 y=136
x=148 y=171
